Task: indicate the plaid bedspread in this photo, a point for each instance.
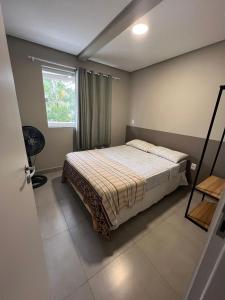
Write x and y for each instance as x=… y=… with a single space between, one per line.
x=117 y=185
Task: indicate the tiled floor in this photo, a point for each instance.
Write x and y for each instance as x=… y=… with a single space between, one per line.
x=152 y=256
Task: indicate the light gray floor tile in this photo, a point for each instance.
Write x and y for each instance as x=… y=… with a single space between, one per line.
x=147 y=220
x=51 y=219
x=94 y=250
x=53 y=189
x=70 y=204
x=62 y=190
x=189 y=230
x=131 y=276
x=74 y=211
x=173 y=255
x=82 y=293
x=64 y=267
x=43 y=194
x=149 y=257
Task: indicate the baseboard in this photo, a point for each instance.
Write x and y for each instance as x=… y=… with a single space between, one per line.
x=49 y=170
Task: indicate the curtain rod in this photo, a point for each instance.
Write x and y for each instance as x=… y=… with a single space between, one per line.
x=33 y=58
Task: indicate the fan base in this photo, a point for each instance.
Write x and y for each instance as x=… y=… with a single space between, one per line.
x=38 y=180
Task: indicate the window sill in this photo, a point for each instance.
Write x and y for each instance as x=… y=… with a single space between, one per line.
x=61 y=124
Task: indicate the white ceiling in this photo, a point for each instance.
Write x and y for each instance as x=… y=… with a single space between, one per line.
x=68 y=25
x=175 y=27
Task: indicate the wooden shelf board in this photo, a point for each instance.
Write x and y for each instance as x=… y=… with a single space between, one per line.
x=203 y=213
x=212 y=186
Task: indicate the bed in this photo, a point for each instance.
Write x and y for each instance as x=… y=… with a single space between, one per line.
x=117 y=183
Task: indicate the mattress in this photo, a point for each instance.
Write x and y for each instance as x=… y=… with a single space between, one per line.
x=160 y=176
x=151 y=197
x=156 y=170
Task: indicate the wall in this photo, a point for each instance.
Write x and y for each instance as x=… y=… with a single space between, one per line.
x=172 y=104
x=184 y=143
x=30 y=94
x=178 y=95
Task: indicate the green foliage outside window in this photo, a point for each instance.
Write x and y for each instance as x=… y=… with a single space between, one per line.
x=60 y=99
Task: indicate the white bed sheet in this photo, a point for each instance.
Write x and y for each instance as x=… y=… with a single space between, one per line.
x=155 y=169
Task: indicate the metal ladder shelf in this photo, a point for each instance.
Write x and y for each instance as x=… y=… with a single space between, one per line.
x=212 y=186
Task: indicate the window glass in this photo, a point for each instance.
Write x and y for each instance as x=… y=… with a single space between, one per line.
x=59 y=91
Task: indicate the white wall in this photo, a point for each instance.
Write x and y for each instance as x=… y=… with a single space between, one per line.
x=179 y=95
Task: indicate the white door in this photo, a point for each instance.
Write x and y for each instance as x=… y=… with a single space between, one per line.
x=209 y=280
x=23 y=273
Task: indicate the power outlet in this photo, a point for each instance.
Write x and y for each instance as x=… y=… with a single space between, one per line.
x=132 y=122
x=193 y=166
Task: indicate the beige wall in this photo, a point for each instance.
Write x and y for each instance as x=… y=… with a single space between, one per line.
x=29 y=88
x=176 y=96
x=179 y=95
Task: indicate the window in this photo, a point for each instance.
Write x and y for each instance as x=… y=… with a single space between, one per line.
x=59 y=91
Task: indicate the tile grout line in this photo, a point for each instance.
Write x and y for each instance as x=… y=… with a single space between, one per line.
x=132 y=244
x=54 y=235
x=155 y=268
x=58 y=233
x=80 y=286
x=77 y=251
x=91 y=290
x=186 y=236
x=107 y=264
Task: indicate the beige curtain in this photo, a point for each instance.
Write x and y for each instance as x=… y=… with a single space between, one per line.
x=94 y=110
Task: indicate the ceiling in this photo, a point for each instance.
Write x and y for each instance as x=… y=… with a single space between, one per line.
x=67 y=25
x=175 y=27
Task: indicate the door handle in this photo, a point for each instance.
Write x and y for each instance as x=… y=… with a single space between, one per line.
x=29 y=172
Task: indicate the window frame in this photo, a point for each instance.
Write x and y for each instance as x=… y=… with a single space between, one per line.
x=59 y=124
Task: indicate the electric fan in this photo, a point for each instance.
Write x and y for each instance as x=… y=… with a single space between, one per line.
x=34 y=143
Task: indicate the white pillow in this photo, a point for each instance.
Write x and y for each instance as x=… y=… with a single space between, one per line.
x=139 y=144
x=169 y=154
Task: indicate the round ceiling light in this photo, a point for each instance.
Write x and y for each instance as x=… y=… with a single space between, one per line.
x=140 y=29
